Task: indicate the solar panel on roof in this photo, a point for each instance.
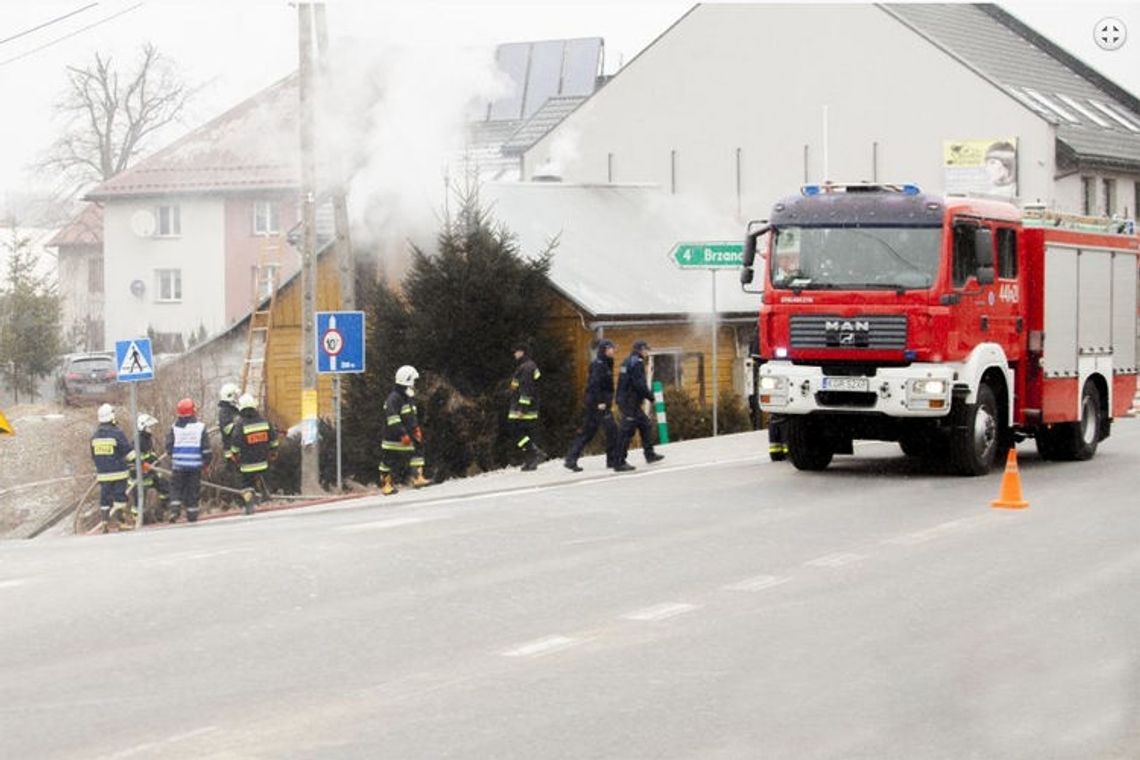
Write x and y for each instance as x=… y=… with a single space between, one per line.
x=512 y=60
x=1114 y=116
x=581 y=66
x=544 y=78
x=1084 y=111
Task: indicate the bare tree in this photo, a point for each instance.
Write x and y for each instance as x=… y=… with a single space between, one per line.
x=110 y=114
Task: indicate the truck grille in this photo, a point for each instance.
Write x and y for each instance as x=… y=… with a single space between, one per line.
x=874 y=331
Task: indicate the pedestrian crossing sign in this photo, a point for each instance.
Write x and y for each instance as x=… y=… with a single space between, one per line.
x=134 y=360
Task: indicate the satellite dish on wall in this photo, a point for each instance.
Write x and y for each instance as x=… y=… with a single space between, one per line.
x=138 y=288
x=143 y=223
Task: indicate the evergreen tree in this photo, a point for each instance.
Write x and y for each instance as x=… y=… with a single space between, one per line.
x=30 y=316
x=461 y=310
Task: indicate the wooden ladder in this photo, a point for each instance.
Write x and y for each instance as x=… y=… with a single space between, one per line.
x=253 y=372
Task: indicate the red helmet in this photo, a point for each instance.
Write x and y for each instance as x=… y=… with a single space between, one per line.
x=185 y=408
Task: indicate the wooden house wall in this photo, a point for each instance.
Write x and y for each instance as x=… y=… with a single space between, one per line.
x=283 y=359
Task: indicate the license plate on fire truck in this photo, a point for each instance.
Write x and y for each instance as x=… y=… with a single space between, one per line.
x=845 y=384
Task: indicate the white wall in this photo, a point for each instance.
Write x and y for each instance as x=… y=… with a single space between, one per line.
x=756 y=77
x=199 y=252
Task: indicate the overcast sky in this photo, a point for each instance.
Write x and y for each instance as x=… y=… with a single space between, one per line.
x=232 y=48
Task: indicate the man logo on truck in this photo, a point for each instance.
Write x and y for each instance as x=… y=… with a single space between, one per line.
x=847 y=333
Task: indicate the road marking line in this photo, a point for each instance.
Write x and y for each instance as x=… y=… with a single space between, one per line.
x=758 y=583
x=942 y=529
x=660 y=611
x=393 y=522
x=539 y=647
x=13 y=582
x=835 y=560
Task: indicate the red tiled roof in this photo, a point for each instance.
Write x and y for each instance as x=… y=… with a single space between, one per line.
x=85 y=229
x=253 y=146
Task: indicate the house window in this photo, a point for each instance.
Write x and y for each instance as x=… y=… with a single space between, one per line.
x=666 y=367
x=1088 y=195
x=1109 y=186
x=168 y=284
x=95 y=274
x=169 y=221
x=266 y=218
x=1006 y=253
x=264 y=280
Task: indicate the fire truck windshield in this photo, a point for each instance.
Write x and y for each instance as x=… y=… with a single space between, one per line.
x=868 y=258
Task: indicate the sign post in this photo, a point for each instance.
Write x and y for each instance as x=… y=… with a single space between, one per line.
x=340 y=350
x=710 y=256
x=134 y=362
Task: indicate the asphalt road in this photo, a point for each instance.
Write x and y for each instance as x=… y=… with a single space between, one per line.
x=715 y=605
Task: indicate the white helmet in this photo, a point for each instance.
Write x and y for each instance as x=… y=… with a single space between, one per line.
x=106 y=413
x=229 y=392
x=247 y=402
x=406 y=375
x=146 y=422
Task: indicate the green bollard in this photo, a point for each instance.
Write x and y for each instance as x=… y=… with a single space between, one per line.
x=659 y=410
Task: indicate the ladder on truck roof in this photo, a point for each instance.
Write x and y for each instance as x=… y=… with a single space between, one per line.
x=1036 y=216
x=264 y=286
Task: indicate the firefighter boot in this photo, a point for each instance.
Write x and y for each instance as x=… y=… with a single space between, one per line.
x=419 y=481
x=105 y=518
x=387 y=487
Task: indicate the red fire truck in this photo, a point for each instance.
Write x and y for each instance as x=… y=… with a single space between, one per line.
x=956 y=326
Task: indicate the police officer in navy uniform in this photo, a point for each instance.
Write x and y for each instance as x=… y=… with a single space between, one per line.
x=599 y=400
x=189 y=448
x=109 y=451
x=633 y=389
x=522 y=416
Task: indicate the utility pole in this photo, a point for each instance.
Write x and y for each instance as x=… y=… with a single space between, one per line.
x=310 y=445
x=345 y=261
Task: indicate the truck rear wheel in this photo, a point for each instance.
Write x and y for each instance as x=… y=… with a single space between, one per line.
x=1077 y=441
x=807 y=447
x=976 y=434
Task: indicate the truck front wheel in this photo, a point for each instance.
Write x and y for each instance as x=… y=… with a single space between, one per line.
x=976 y=433
x=807 y=447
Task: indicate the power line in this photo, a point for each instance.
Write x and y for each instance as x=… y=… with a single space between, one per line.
x=72 y=34
x=48 y=23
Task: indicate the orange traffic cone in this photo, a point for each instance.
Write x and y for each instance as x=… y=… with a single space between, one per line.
x=1010 y=495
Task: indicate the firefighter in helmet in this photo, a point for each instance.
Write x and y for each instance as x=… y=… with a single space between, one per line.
x=402 y=446
x=227 y=412
x=522 y=415
x=109 y=450
x=253 y=443
x=150 y=479
x=189 y=447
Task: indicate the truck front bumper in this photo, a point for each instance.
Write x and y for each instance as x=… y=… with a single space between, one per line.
x=918 y=390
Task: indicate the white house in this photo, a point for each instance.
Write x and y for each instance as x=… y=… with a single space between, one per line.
x=742 y=103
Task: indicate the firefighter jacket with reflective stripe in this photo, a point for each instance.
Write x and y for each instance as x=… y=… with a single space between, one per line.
x=109 y=449
x=253 y=439
x=188 y=444
x=149 y=456
x=227 y=415
x=524 y=391
x=400 y=422
x=632 y=385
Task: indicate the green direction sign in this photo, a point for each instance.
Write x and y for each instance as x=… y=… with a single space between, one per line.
x=708 y=255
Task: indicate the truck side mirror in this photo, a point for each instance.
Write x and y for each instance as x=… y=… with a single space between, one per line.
x=751 y=236
x=985 y=275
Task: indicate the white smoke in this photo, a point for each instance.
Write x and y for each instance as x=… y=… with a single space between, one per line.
x=398 y=117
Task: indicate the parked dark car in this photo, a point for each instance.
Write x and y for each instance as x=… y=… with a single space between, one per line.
x=88 y=378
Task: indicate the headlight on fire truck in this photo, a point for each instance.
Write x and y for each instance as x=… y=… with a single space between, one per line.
x=773 y=390
x=927 y=393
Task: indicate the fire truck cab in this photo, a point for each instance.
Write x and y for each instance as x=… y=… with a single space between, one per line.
x=953 y=325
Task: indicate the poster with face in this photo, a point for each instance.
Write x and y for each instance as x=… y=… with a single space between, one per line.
x=982 y=167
